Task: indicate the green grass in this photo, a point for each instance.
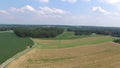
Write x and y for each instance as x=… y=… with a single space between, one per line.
x=30 y=60
x=66 y=35
x=58 y=41
x=10 y=45
x=70 y=35
x=78 y=42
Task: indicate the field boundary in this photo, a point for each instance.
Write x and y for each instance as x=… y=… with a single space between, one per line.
x=4 y=64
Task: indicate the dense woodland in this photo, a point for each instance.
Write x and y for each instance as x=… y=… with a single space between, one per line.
x=112 y=31
x=47 y=31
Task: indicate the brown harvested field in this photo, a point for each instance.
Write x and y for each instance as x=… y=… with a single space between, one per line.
x=104 y=55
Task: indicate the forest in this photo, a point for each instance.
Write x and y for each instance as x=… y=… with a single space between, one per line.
x=112 y=31
x=47 y=31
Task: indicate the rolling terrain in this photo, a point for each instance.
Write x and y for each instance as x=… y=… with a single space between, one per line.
x=88 y=52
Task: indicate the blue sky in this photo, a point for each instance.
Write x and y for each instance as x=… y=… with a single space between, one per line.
x=61 y=12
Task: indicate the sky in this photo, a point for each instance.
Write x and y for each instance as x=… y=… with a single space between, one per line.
x=61 y=12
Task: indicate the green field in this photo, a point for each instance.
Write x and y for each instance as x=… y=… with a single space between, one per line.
x=51 y=44
x=70 y=35
x=10 y=45
x=68 y=39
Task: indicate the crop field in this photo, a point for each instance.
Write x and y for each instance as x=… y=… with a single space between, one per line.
x=89 y=52
x=10 y=45
x=52 y=44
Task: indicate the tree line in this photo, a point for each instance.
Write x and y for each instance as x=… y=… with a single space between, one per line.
x=44 y=32
x=117 y=40
x=112 y=31
x=54 y=30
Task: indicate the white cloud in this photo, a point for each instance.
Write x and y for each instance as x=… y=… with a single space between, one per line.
x=70 y=1
x=3 y=12
x=40 y=11
x=44 y=1
x=114 y=2
x=87 y=0
x=47 y=10
x=23 y=9
x=100 y=10
x=74 y=1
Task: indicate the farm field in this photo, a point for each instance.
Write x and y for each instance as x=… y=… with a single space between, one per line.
x=89 y=52
x=59 y=34
x=67 y=35
x=53 y=44
x=10 y=45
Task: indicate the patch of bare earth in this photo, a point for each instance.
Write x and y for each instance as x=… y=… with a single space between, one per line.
x=104 y=55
